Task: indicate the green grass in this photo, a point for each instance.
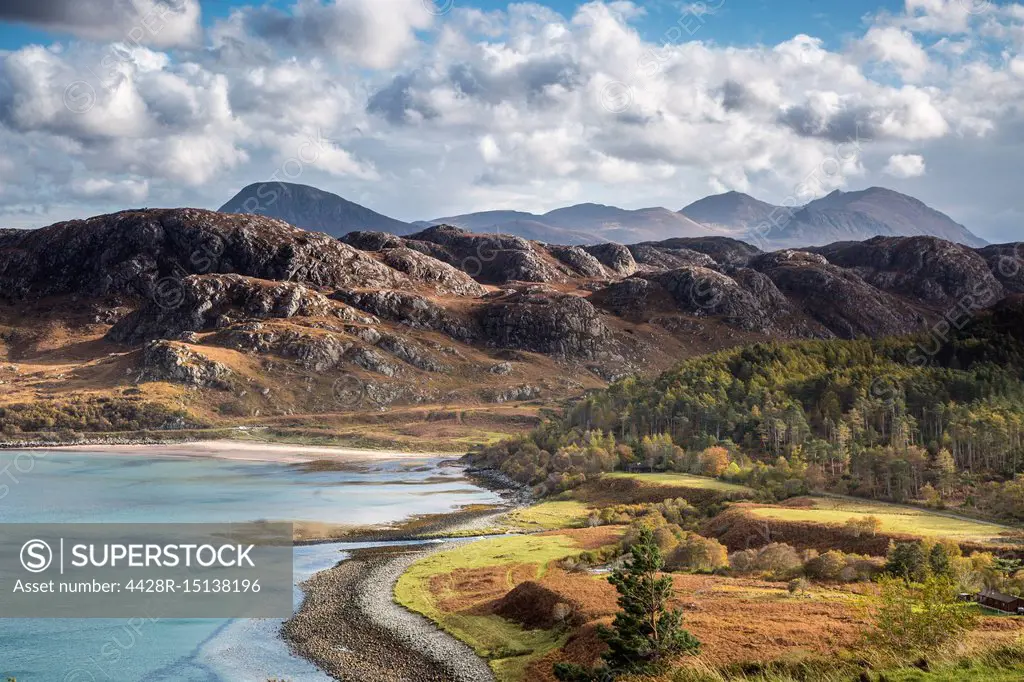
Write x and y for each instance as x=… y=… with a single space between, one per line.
x=554 y=515
x=978 y=674
x=684 y=481
x=895 y=519
x=508 y=648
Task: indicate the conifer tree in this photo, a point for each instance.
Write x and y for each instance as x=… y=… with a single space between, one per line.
x=645 y=633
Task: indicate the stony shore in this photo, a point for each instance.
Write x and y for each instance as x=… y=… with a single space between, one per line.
x=351 y=628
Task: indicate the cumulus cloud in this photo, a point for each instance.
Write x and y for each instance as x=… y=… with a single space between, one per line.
x=371 y=33
x=128 y=191
x=162 y=23
x=898 y=47
x=905 y=166
x=419 y=115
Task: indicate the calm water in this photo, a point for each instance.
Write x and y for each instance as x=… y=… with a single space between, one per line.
x=64 y=487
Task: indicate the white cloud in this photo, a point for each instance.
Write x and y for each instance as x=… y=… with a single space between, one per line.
x=898 y=47
x=162 y=23
x=520 y=108
x=371 y=33
x=129 y=191
x=905 y=166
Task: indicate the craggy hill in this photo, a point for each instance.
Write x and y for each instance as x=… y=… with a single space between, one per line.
x=232 y=317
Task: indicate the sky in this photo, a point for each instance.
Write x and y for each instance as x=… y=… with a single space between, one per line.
x=420 y=109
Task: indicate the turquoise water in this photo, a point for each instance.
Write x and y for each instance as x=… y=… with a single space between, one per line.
x=66 y=487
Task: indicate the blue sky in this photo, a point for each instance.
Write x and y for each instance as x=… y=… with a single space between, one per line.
x=419 y=114
x=735 y=22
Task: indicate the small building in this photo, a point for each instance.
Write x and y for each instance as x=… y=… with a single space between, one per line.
x=1001 y=602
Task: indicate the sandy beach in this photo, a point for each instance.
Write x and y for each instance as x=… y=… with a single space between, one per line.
x=252 y=451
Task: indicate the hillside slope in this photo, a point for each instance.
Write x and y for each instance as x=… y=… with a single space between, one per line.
x=228 y=319
x=311 y=209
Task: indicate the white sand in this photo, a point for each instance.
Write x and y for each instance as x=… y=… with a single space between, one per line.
x=252 y=451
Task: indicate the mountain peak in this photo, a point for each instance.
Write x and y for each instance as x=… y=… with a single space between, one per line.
x=311 y=208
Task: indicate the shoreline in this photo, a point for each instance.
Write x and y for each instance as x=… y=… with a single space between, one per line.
x=249 y=451
x=350 y=627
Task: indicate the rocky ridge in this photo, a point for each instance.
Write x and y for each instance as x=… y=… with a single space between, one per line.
x=442 y=314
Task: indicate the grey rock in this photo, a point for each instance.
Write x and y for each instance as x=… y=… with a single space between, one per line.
x=652 y=257
x=1006 y=262
x=372 y=361
x=409 y=309
x=411 y=353
x=616 y=257
x=204 y=302
x=419 y=267
x=515 y=394
x=926 y=268
x=580 y=262
x=837 y=298
x=501 y=369
x=168 y=361
x=553 y=323
x=146 y=253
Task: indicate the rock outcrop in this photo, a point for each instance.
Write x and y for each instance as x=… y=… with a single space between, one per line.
x=203 y=302
x=650 y=257
x=489 y=258
x=746 y=299
x=412 y=310
x=926 y=268
x=137 y=252
x=1006 y=262
x=176 y=362
x=723 y=250
x=615 y=257
x=419 y=267
x=373 y=241
x=544 y=322
x=837 y=298
x=580 y=262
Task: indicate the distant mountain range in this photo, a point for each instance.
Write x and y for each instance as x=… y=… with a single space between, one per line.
x=582 y=224
x=838 y=217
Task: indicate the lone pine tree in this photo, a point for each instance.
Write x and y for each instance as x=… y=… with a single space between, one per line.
x=645 y=633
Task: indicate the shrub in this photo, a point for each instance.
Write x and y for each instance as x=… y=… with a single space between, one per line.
x=699 y=554
x=861 y=526
x=797 y=586
x=743 y=561
x=779 y=560
x=828 y=566
x=907 y=560
x=912 y=618
x=714 y=461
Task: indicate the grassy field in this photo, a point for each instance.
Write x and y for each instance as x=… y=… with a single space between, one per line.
x=554 y=515
x=508 y=648
x=684 y=480
x=895 y=519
